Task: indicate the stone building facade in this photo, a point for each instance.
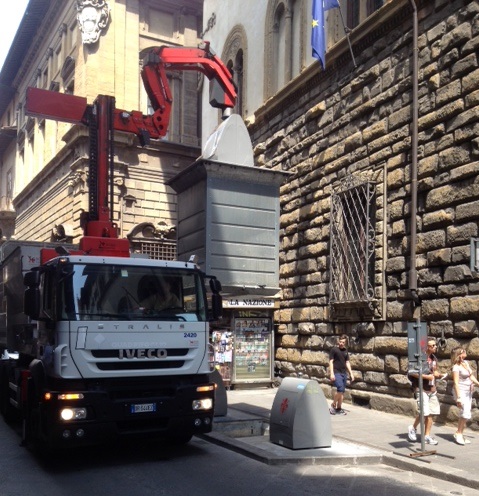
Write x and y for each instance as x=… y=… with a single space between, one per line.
x=383 y=205
x=351 y=143
x=44 y=164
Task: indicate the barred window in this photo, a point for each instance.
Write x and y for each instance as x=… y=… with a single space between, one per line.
x=157 y=250
x=158 y=241
x=353 y=213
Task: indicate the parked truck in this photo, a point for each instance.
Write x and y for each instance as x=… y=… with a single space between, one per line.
x=96 y=344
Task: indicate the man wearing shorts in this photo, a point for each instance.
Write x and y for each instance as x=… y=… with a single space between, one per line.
x=339 y=367
x=431 y=406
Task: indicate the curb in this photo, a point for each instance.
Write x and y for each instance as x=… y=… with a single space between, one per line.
x=259 y=454
x=402 y=462
x=384 y=457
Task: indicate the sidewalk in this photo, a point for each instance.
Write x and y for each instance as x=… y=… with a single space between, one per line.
x=361 y=436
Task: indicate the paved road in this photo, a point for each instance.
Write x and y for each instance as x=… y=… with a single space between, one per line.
x=200 y=468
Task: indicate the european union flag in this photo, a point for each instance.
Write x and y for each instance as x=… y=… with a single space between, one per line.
x=318 y=43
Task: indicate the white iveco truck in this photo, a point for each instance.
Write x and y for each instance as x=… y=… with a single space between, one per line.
x=104 y=347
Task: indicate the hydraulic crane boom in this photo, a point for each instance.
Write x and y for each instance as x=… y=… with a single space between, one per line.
x=103 y=119
x=158 y=60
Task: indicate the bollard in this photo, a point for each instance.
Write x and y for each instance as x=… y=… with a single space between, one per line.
x=221 y=399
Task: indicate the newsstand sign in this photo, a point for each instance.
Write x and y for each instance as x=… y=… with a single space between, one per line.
x=249 y=302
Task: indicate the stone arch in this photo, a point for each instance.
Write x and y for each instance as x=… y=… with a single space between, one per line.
x=235 y=55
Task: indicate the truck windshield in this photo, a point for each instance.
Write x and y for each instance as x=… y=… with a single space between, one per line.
x=124 y=292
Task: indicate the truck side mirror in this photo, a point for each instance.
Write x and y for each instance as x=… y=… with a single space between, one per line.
x=32 y=279
x=215 y=285
x=31 y=303
x=216 y=306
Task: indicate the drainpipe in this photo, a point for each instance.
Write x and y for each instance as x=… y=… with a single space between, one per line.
x=414 y=147
x=412 y=266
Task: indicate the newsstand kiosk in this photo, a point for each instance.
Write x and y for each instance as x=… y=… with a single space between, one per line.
x=244 y=341
x=228 y=218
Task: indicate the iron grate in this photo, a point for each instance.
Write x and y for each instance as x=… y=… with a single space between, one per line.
x=353 y=238
x=164 y=250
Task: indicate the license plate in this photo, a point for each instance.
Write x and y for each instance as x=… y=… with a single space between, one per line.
x=143 y=407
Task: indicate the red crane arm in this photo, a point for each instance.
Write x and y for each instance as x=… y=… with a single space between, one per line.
x=156 y=62
x=203 y=60
x=69 y=108
x=103 y=118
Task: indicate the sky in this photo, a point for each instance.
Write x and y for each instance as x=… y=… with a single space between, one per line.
x=11 y=14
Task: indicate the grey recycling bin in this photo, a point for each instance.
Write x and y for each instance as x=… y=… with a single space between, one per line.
x=300 y=416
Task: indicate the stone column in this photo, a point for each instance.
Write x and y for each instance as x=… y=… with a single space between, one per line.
x=288 y=33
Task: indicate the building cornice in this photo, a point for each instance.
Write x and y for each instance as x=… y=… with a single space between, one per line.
x=391 y=15
x=22 y=44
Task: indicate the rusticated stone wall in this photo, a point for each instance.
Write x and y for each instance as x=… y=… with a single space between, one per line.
x=343 y=123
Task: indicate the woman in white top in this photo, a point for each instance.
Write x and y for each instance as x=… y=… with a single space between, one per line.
x=464 y=381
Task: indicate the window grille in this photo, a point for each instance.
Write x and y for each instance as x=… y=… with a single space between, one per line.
x=157 y=250
x=353 y=243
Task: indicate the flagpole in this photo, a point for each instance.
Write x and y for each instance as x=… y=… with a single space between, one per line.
x=346 y=32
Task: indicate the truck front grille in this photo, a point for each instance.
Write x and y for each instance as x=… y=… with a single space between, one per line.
x=171 y=352
x=118 y=360
x=141 y=365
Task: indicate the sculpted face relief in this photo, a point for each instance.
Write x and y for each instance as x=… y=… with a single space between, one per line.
x=93 y=17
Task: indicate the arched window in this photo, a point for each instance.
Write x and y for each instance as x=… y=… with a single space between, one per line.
x=235 y=55
x=359 y=10
x=287 y=42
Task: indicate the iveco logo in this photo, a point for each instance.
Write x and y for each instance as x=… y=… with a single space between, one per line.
x=142 y=353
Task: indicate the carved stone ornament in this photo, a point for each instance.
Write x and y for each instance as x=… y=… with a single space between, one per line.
x=146 y=230
x=93 y=17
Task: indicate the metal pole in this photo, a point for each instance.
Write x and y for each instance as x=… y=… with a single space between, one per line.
x=414 y=152
x=421 y=389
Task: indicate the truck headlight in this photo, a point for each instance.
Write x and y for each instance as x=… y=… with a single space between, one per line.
x=204 y=404
x=73 y=413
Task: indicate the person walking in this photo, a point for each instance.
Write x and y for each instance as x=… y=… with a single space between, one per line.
x=431 y=406
x=339 y=367
x=464 y=381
